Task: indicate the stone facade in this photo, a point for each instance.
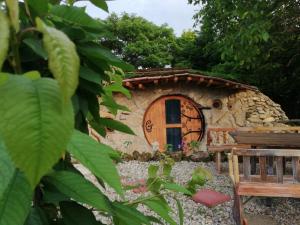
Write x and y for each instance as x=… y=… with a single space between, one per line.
x=238 y=109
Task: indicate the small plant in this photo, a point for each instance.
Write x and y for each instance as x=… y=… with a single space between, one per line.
x=199 y=177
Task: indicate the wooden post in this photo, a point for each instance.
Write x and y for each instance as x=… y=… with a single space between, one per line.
x=279 y=169
x=246 y=167
x=296 y=168
x=262 y=167
x=236 y=173
x=230 y=168
x=218 y=162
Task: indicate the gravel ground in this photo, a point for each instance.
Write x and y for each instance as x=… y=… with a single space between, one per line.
x=285 y=211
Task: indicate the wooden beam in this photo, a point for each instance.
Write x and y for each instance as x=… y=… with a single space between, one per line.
x=209 y=83
x=201 y=80
x=141 y=86
x=188 y=79
x=129 y=85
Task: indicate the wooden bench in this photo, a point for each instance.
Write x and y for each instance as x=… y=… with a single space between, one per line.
x=219 y=141
x=272 y=180
x=264 y=185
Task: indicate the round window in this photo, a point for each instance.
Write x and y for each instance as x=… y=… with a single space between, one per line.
x=173 y=122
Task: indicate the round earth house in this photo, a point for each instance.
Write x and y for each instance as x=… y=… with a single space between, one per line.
x=173 y=109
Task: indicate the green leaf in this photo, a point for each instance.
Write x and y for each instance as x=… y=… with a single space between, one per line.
x=33 y=75
x=4 y=37
x=34 y=118
x=180 y=211
x=40 y=7
x=76 y=17
x=160 y=206
x=95 y=157
x=152 y=171
x=16 y=201
x=128 y=215
x=116 y=125
x=177 y=188
x=13 y=11
x=15 y=192
x=36 y=46
x=63 y=59
x=111 y=104
x=90 y=75
x=96 y=53
x=36 y=217
x=75 y=214
x=265 y=36
x=117 y=88
x=79 y=189
x=101 y=4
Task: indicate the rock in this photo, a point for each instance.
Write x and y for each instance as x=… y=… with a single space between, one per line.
x=269 y=120
x=199 y=156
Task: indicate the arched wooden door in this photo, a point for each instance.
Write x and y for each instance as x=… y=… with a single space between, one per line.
x=173 y=122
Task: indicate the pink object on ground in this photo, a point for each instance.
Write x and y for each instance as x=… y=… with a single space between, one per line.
x=210 y=198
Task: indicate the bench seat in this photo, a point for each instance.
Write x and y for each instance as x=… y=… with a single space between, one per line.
x=287 y=190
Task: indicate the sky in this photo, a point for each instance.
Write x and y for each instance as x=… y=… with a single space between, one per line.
x=178 y=14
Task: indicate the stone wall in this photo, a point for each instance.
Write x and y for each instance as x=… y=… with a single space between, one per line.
x=242 y=108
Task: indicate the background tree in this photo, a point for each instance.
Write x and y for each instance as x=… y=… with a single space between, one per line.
x=258 y=42
x=140 y=42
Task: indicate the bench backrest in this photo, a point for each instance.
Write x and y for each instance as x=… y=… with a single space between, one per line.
x=260 y=139
x=279 y=156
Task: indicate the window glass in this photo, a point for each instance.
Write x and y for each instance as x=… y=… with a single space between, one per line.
x=174 y=139
x=173 y=111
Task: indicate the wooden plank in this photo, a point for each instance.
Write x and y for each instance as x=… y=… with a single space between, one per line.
x=218 y=162
x=230 y=166
x=296 y=168
x=267 y=152
x=263 y=167
x=267 y=139
x=279 y=169
x=225 y=148
x=236 y=172
x=238 y=211
x=274 y=129
x=269 y=189
x=246 y=167
x=270 y=179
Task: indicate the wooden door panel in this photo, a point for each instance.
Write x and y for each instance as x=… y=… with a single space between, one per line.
x=155 y=122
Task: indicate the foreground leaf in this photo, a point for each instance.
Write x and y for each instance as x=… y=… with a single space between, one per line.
x=128 y=215
x=63 y=59
x=36 y=46
x=94 y=156
x=34 y=118
x=101 y=4
x=177 y=188
x=116 y=125
x=160 y=206
x=75 y=214
x=36 y=217
x=180 y=211
x=16 y=201
x=15 y=192
x=4 y=37
x=13 y=9
x=77 y=17
x=79 y=189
